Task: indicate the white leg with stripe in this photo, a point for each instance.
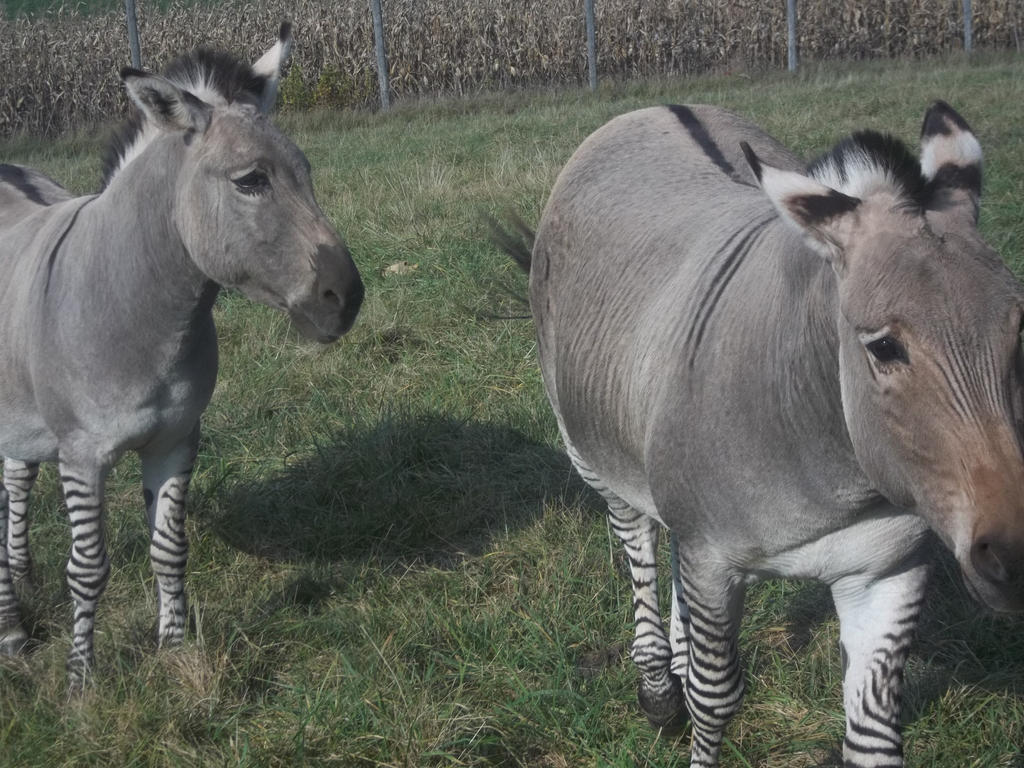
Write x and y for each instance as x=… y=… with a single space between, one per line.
x=165 y=481
x=877 y=619
x=19 y=477
x=12 y=633
x=679 y=631
x=660 y=691
x=714 y=681
x=88 y=566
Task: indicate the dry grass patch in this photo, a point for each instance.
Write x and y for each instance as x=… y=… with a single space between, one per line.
x=60 y=67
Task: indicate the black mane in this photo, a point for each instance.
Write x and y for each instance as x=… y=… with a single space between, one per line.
x=232 y=79
x=873 y=153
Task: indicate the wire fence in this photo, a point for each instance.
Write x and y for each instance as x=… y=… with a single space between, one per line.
x=59 y=70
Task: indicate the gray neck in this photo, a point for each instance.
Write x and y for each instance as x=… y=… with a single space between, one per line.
x=126 y=255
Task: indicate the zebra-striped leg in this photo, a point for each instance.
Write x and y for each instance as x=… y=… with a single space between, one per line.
x=12 y=634
x=88 y=566
x=19 y=477
x=165 y=479
x=877 y=619
x=660 y=692
x=714 y=681
x=679 y=631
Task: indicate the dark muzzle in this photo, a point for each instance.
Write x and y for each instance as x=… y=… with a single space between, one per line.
x=339 y=292
x=998 y=561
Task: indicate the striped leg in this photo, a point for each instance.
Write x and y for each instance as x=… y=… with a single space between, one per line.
x=679 y=631
x=12 y=634
x=19 y=477
x=660 y=692
x=88 y=567
x=165 y=479
x=714 y=681
x=877 y=619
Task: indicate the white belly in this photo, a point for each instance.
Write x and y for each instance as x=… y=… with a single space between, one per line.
x=873 y=545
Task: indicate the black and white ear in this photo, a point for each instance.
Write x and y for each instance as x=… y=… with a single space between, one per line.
x=950 y=161
x=166 y=106
x=823 y=215
x=270 y=64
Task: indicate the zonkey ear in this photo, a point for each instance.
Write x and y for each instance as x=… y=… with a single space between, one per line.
x=166 y=105
x=824 y=216
x=270 y=65
x=951 y=163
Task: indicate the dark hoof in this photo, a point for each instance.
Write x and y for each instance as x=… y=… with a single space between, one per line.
x=667 y=710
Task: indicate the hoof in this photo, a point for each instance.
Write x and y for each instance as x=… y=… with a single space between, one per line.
x=13 y=642
x=665 y=710
x=79 y=669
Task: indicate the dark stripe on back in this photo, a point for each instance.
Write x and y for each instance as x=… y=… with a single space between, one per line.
x=753 y=160
x=17 y=178
x=721 y=280
x=700 y=135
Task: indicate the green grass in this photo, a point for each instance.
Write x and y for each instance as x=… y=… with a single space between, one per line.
x=392 y=563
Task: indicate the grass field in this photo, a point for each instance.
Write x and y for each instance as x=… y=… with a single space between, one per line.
x=392 y=563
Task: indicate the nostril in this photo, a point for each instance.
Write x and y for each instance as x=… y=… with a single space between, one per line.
x=331 y=297
x=990 y=561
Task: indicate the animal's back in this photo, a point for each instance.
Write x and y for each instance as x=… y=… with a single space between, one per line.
x=28 y=242
x=636 y=237
x=24 y=190
x=35 y=211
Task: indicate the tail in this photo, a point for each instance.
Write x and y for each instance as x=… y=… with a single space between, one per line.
x=517 y=243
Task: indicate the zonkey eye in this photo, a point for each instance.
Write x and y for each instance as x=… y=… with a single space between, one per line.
x=252 y=183
x=887 y=350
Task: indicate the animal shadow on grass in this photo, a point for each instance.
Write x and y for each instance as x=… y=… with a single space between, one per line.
x=427 y=489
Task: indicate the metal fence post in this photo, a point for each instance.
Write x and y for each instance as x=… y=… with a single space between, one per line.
x=968 y=43
x=791 y=32
x=382 y=59
x=591 y=43
x=133 y=32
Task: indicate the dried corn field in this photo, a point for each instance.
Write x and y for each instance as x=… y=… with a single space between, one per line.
x=59 y=69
